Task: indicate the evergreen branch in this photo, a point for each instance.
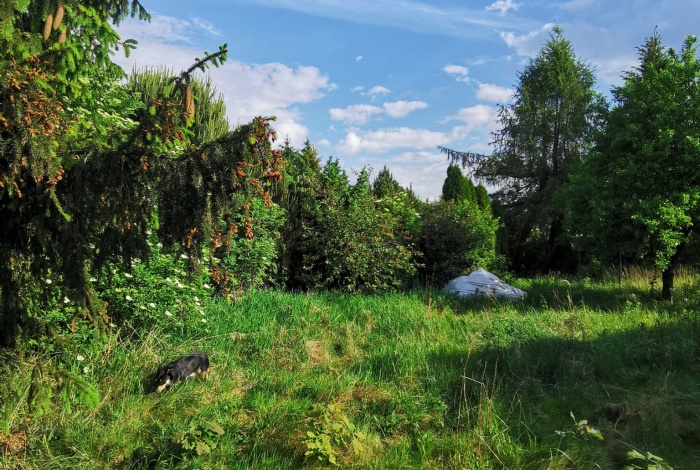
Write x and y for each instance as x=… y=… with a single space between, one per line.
x=215 y=58
x=468 y=159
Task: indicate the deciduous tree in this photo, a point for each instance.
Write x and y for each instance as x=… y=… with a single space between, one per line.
x=637 y=196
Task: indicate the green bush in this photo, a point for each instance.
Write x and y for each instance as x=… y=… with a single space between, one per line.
x=356 y=243
x=455 y=239
x=251 y=259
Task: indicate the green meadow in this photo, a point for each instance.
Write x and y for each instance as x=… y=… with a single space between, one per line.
x=579 y=375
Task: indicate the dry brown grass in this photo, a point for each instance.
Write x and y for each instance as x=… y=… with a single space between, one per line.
x=317 y=352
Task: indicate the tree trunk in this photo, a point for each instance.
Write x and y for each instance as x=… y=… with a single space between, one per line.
x=667 y=278
x=667 y=282
x=9 y=316
x=554 y=262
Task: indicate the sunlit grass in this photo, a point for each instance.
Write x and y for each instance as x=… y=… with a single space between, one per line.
x=429 y=380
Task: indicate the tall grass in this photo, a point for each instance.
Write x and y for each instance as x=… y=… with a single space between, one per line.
x=424 y=380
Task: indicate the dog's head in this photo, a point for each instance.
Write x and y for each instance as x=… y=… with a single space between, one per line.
x=164 y=377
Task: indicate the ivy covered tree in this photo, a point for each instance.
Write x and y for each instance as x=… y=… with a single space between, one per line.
x=544 y=133
x=637 y=195
x=83 y=170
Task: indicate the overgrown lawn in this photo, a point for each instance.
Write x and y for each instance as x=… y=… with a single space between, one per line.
x=415 y=380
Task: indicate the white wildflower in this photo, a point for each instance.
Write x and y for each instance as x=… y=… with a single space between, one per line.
x=159 y=245
x=151 y=304
x=49 y=281
x=92 y=246
x=92 y=279
x=85 y=370
x=142 y=307
x=196 y=299
x=197 y=304
x=66 y=300
x=206 y=286
x=128 y=298
x=167 y=313
x=204 y=320
x=79 y=358
x=184 y=256
x=128 y=276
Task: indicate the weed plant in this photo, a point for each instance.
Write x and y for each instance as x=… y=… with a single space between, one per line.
x=418 y=380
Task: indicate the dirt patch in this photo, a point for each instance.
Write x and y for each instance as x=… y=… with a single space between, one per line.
x=13 y=443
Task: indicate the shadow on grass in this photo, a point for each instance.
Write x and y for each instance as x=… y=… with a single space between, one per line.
x=639 y=387
x=565 y=295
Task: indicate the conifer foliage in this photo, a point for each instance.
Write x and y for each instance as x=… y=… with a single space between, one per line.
x=82 y=177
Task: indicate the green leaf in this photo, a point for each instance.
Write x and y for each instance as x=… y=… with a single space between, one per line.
x=214 y=426
x=202 y=448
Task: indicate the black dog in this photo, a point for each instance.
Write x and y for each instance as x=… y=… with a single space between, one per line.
x=196 y=363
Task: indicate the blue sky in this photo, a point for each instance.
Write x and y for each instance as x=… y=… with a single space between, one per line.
x=384 y=82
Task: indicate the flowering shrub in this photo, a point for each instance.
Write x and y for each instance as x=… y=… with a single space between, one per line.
x=163 y=292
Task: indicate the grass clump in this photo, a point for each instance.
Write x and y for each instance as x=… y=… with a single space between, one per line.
x=417 y=380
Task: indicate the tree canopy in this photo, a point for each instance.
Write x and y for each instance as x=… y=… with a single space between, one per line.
x=543 y=135
x=637 y=195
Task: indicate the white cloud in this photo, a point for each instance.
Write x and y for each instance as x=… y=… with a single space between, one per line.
x=378 y=90
x=494 y=93
x=475 y=117
x=384 y=140
x=357 y=114
x=388 y=139
x=249 y=90
x=610 y=70
x=161 y=29
x=456 y=19
x=502 y=6
x=358 y=58
x=289 y=127
x=419 y=157
x=423 y=171
x=529 y=43
x=206 y=26
x=399 y=109
x=460 y=73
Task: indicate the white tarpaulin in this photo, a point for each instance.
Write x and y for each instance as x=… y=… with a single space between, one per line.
x=482 y=282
